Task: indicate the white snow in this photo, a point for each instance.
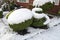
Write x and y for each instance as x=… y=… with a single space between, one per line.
x=5 y=13
x=3 y=5
x=55 y=22
x=40 y=2
x=41 y=15
x=36 y=9
x=0 y=9
x=20 y=15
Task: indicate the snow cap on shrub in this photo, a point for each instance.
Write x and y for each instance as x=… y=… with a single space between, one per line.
x=19 y=16
x=36 y=9
x=40 y=2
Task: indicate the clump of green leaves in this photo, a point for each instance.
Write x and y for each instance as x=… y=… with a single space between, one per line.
x=38 y=12
x=38 y=22
x=21 y=26
x=47 y=6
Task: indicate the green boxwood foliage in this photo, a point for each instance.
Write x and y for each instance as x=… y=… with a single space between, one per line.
x=1 y=14
x=39 y=12
x=38 y=22
x=47 y=6
x=21 y=26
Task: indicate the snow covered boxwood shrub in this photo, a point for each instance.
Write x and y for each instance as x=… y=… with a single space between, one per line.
x=20 y=19
x=1 y=13
x=47 y=6
x=40 y=19
x=37 y=10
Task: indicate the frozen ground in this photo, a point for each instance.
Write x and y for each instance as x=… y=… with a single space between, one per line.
x=53 y=33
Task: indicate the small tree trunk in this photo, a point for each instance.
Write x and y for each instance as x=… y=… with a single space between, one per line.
x=9 y=7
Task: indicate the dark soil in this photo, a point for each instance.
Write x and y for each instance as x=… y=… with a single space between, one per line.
x=42 y=27
x=50 y=17
x=23 y=32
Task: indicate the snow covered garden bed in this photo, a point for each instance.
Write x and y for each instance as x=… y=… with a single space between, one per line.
x=14 y=25
x=52 y=33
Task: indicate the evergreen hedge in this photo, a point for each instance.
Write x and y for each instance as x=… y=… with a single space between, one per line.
x=21 y=26
x=47 y=6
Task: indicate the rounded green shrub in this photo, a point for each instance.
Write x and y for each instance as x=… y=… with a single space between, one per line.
x=1 y=14
x=21 y=26
x=38 y=22
x=47 y=6
x=27 y=21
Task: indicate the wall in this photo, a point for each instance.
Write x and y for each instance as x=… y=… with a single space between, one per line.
x=56 y=2
x=26 y=5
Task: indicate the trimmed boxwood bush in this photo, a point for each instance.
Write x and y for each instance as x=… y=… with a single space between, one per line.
x=47 y=6
x=38 y=22
x=1 y=14
x=21 y=26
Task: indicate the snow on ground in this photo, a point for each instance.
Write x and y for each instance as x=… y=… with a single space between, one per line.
x=53 y=33
x=50 y=34
x=56 y=21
